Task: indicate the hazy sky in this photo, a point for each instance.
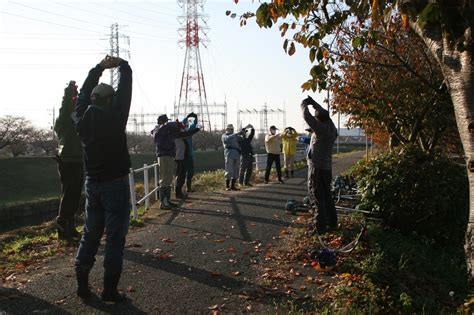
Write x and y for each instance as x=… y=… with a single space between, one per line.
x=44 y=44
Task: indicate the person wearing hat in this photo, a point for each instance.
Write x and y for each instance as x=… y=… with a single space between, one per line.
x=101 y=118
x=320 y=164
x=230 y=141
x=273 y=148
x=246 y=161
x=164 y=135
x=70 y=166
x=288 y=139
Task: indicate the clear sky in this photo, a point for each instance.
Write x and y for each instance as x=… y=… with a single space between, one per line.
x=44 y=44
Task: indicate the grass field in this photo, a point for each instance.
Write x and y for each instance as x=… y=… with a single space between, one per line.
x=31 y=178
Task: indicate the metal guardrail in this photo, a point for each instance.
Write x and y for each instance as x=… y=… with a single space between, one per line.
x=260 y=162
x=146 y=185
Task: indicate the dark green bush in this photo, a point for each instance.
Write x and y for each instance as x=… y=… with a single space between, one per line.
x=416 y=192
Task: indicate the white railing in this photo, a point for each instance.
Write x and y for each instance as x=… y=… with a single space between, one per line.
x=146 y=186
x=260 y=162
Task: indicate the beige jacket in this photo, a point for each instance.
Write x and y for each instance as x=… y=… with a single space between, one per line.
x=273 y=143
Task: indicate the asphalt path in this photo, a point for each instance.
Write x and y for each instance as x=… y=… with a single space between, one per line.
x=196 y=259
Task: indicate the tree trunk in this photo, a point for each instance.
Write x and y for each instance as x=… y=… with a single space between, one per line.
x=461 y=88
x=458 y=72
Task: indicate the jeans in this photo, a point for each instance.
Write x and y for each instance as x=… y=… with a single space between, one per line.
x=270 y=159
x=107 y=207
x=71 y=175
x=319 y=189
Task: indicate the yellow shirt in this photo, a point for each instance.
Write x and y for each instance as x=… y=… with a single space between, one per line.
x=289 y=142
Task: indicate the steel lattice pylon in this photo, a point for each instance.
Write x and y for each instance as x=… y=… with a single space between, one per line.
x=193 y=32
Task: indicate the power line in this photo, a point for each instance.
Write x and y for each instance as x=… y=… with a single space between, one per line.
x=47 y=22
x=148 y=10
x=56 y=14
x=128 y=13
x=110 y=16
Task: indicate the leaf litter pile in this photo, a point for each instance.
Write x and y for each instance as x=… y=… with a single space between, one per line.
x=291 y=277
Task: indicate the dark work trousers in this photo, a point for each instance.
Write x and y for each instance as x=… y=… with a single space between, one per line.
x=71 y=175
x=246 y=166
x=189 y=170
x=270 y=159
x=180 y=173
x=319 y=190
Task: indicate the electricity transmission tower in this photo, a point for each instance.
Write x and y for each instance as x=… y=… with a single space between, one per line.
x=115 y=51
x=193 y=32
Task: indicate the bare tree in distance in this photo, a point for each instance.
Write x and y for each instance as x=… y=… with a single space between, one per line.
x=42 y=139
x=14 y=129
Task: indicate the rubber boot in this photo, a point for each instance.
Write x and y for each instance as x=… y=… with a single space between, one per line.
x=227 y=184
x=82 y=278
x=168 y=197
x=164 y=205
x=179 y=193
x=292 y=173
x=233 y=187
x=110 y=293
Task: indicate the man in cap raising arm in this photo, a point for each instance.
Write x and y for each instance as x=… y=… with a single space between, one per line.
x=101 y=118
x=320 y=164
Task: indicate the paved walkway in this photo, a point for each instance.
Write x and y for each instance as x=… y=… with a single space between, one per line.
x=193 y=260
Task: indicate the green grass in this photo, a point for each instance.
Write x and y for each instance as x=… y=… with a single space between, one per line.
x=32 y=178
x=24 y=247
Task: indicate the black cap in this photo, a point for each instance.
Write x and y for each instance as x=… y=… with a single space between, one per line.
x=162 y=119
x=273 y=127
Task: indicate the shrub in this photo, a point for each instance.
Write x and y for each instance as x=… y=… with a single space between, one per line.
x=416 y=192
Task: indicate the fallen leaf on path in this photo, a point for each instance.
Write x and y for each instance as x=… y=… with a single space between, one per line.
x=166 y=256
x=168 y=240
x=219 y=241
x=232 y=250
x=213 y=307
x=59 y=302
x=215 y=274
x=11 y=277
x=302 y=288
x=184 y=231
x=130 y=289
x=236 y=273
